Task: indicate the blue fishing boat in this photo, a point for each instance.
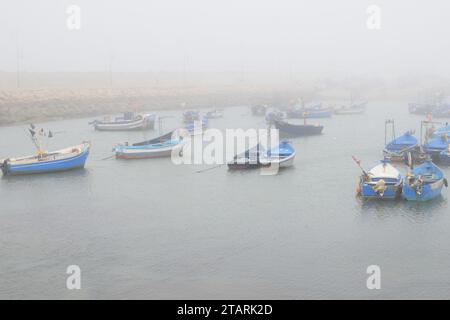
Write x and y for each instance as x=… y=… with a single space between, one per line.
x=398 y=148
x=47 y=162
x=424 y=183
x=199 y=126
x=190 y=116
x=381 y=182
x=152 y=150
x=162 y=146
x=435 y=146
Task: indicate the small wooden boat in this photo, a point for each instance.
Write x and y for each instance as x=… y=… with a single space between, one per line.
x=214 y=114
x=435 y=146
x=351 y=109
x=154 y=150
x=442 y=111
x=259 y=110
x=424 y=183
x=162 y=146
x=274 y=115
x=190 y=116
x=128 y=122
x=45 y=162
x=309 y=112
x=397 y=149
x=297 y=130
x=381 y=182
x=192 y=126
x=421 y=108
x=282 y=155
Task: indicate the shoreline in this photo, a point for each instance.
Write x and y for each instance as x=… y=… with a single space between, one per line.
x=23 y=106
x=40 y=105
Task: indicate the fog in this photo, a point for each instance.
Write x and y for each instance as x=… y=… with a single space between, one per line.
x=290 y=37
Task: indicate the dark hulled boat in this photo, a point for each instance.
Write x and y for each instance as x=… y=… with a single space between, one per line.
x=297 y=130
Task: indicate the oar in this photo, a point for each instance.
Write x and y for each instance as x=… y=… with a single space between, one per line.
x=358 y=162
x=207 y=169
x=108 y=157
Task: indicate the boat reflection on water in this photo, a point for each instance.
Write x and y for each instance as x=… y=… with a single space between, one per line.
x=416 y=211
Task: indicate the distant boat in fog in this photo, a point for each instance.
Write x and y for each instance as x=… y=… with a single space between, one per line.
x=259 y=110
x=351 y=109
x=297 y=130
x=214 y=114
x=128 y=121
x=190 y=116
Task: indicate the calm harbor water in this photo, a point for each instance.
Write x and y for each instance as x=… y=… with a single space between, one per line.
x=150 y=229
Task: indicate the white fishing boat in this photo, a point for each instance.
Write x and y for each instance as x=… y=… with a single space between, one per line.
x=128 y=122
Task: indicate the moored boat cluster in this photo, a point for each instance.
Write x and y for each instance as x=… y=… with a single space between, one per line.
x=423 y=179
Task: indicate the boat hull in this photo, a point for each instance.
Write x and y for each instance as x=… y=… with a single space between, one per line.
x=125 y=152
x=392 y=192
x=308 y=114
x=291 y=130
x=429 y=191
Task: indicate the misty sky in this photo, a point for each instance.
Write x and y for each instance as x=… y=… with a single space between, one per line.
x=227 y=35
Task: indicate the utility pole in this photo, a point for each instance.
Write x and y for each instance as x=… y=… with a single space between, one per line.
x=17 y=62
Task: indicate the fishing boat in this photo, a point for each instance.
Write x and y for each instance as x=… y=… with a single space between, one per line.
x=282 y=155
x=297 y=130
x=246 y=160
x=351 y=109
x=424 y=183
x=190 y=116
x=259 y=110
x=397 y=149
x=420 y=108
x=127 y=122
x=308 y=113
x=381 y=182
x=191 y=127
x=442 y=111
x=435 y=146
x=43 y=161
x=162 y=146
x=273 y=115
x=214 y=114
x=46 y=162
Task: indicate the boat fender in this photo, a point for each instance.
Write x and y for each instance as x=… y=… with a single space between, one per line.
x=445 y=183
